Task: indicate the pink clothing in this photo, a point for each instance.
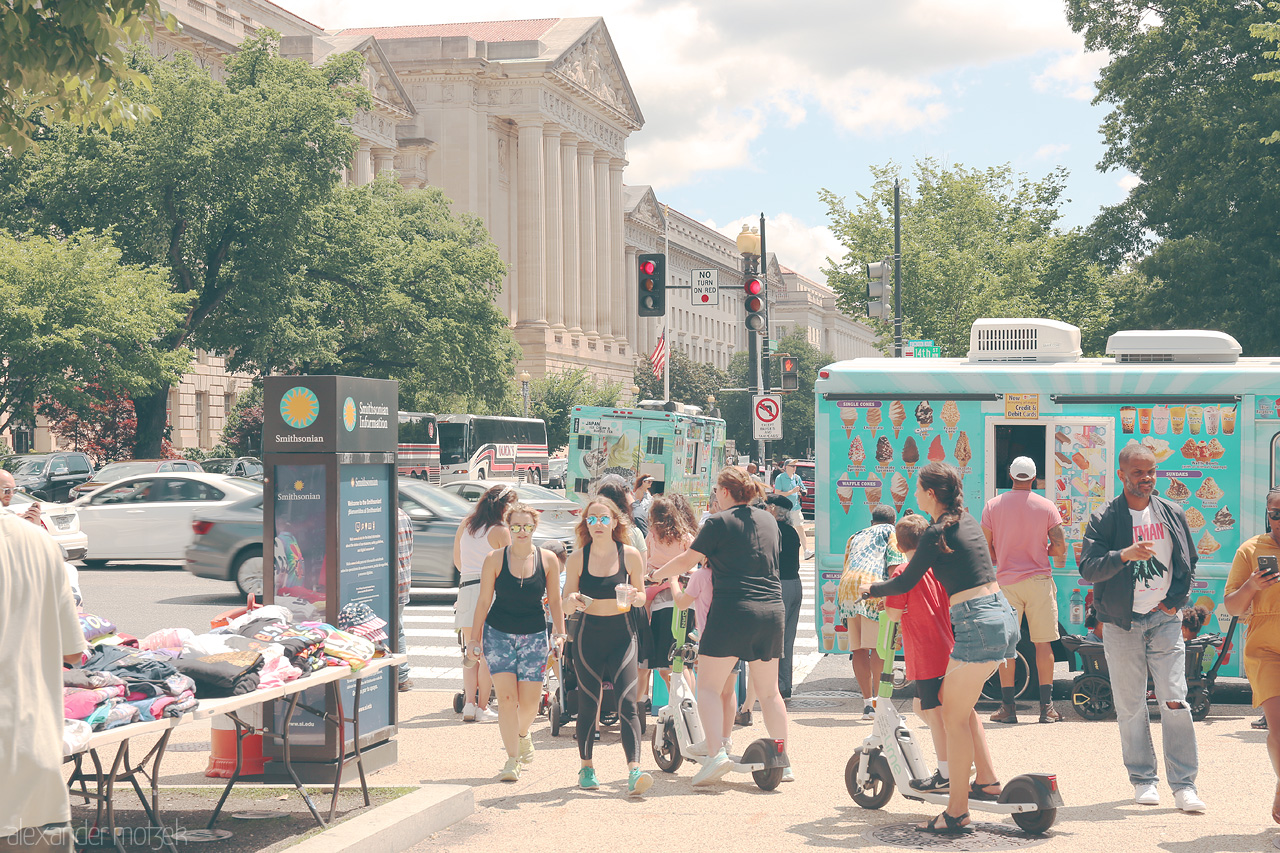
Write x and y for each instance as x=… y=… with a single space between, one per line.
x=657 y=555
x=1019 y=522
x=699 y=587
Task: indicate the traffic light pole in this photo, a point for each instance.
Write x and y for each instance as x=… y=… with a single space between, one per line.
x=897 y=272
x=764 y=373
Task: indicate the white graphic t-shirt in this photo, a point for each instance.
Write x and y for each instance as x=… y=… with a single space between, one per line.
x=1151 y=578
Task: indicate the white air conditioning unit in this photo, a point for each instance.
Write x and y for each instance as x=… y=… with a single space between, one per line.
x=1005 y=340
x=1179 y=346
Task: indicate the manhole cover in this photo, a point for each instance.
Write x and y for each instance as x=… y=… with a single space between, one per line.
x=257 y=815
x=201 y=836
x=189 y=747
x=812 y=703
x=985 y=836
x=828 y=694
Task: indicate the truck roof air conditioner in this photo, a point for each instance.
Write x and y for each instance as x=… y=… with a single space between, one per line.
x=1023 y=340
x=1180 y=346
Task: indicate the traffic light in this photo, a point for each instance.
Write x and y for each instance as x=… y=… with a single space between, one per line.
x=652 y=296
x=879 y=290
x=753 y=301
x=790 y=372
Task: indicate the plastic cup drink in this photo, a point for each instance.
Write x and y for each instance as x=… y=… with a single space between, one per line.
x=1160 y=419
x=1194 y=416
x=1078 y=547
x=624 y=591
x=1228 y=417
x=842 y=638
x=1127 y=416
x=1177 y=418
x=828 y=643
x=1144 y=421
x=1211 y=420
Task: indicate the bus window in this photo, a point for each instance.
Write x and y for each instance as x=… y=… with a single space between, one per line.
x=453 y=444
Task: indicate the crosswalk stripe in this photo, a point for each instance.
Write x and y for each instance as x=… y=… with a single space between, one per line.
x=430 y=632
x=437 y=618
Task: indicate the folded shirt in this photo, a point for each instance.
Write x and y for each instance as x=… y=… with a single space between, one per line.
x=223 y=674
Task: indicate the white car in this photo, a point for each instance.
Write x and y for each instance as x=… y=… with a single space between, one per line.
x=61 y=520
x=148 y=517
x=554 y=508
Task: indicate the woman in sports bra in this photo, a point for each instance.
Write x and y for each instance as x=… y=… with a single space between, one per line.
x=605 y=646
x=479 y=533
x=511 y=630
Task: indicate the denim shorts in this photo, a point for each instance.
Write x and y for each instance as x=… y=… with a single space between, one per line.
x=522 y=655
x=985 y=628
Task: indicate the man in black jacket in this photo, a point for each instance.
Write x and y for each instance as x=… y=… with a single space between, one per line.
x=1139 y=556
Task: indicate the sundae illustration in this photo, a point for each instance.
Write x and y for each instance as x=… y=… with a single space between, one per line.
x=1223 y=520
x=1209 y=491
x=1195 y=518
x=1207 y=544
x=1177 y=491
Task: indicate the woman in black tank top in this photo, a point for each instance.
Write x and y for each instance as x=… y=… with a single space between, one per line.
x=510 y=627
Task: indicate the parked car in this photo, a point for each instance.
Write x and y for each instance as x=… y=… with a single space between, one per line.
x=49 y=476
x=113 y=471
x=557 y=472
x=148 y=517
x=227 y=542
x=806 y=470
x=554 y=508
x=61 y=520
x=238 y=466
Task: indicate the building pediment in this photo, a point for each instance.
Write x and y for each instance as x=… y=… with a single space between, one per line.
x=643 y=208
x=591 y=65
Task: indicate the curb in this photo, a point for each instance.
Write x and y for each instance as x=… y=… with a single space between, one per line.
x=397 y=825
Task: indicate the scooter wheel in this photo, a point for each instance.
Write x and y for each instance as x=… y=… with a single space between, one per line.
x=1022 y=790
x=879 y=789
x=757 y=752
x=458 y=702
x=1091 y=696
x=666 y=747
x=1198 y=699
x=555 y=716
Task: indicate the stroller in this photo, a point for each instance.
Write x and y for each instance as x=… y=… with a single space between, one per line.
x=564 y=700
x=1091 y=690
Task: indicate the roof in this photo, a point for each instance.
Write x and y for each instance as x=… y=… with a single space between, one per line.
x=489 y=31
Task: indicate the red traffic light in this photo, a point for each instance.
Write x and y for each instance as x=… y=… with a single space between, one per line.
x=754 y=304
x=648 y=267
x=753 y=287
x=788 y=364
x=647 y=284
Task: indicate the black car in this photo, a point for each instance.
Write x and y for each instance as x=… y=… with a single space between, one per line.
x=49 y=476
x=238 y=466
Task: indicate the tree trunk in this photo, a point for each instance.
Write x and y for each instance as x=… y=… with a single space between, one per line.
x=152 y=419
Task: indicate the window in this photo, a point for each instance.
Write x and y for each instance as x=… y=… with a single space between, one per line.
x=200 y=422
x=581 y=485
x=78 y=464
x=228 y=403
x=584 y=442
x=1014 y=440
x=653 y=445
x=132 y=491
x=191 y=490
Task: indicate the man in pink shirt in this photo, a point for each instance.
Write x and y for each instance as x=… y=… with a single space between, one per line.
x=1024 y=530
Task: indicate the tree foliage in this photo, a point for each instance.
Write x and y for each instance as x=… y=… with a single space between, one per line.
x=1192 y=111
x=75 y=322
x=242 y=429
x=692 y=382
x=975 y=243
x=64 y=61
x=103 y=428
x=553 y=397
x=797 y=406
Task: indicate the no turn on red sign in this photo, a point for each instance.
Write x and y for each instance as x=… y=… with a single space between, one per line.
x=766 y=417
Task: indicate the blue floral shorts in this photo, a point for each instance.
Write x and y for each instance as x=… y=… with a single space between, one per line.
x=522 y=655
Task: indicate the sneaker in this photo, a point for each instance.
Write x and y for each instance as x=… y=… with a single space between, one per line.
x=486 y=716
x=808 y=555
x=787 y=775
x=1049 y=714
x=1187 y=800
x=510 y=771
x=1006 y=714
x=868 y=711
x=469 y=712
x=526 y=749
x=638 y=782
x=406 y=685
x=714 y=770
x=742 y=718
x=1260 y=723
x=1146 y=795
x=699 y=748
x=587 y=779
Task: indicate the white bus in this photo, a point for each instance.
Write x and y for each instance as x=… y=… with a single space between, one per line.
x=418 y=451
x=483 y=447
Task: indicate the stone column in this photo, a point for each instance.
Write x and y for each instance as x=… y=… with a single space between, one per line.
x=569 y=227
x=624 y=312
x=554 y=220
x=384 y=160
x=529 y=230
x=587 y=238
x=606 y=288
x=362 y=168
x=631 y=282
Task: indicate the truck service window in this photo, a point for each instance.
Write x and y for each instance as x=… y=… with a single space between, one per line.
x=1014 y=440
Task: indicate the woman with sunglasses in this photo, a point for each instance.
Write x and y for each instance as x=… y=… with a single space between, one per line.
x=511 y=630
x=605 y=578
x=1251 y=593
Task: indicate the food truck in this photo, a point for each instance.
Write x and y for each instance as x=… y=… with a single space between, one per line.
x=1208 y=415
x=673 y=443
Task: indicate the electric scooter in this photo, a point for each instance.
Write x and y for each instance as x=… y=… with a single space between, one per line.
x=889 y=757
x=678 y=735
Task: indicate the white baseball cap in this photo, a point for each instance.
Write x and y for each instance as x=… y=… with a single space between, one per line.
x=1022 y=468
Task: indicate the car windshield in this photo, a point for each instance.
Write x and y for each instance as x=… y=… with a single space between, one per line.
x=530 y=492
x=120 y=470
x=217 y=466
x=25 y=464
x=453 y=444
x=435 y=499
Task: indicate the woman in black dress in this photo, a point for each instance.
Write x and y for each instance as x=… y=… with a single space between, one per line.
x=745 y=622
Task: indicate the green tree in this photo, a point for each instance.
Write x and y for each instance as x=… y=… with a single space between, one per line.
x=797 y=406
x=1191 y=115
x=691 y=382
x=242 y=430
x=553 y=397
x=76 y=324
x=64 y=61
x=975 y=243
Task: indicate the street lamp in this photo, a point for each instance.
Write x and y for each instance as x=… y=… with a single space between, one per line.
x=635 y=394
x=524 y=378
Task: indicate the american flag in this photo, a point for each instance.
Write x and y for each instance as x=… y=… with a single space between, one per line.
x=659 y=357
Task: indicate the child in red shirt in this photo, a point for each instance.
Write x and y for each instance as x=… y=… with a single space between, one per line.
x=925 y=615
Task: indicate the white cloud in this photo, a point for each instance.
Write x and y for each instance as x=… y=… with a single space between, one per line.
x=1128 y=181
x=1072 y=74
x=1051 y=151
x=798 y=245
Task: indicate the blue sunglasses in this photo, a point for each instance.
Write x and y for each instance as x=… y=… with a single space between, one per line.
x=593 y=520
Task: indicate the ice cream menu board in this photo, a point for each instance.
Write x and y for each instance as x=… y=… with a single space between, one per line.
x=1083 y=462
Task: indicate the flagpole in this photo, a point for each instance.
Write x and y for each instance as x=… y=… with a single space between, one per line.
x=666 y=328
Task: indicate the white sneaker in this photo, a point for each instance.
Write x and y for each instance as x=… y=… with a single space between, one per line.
x=487 y=716
x=699 y=748
x=808 y=555
x=714 y=770
x=469 y=712
x=1187 y=800
x=1146 y=794
x=787 y=775
x=868 y=711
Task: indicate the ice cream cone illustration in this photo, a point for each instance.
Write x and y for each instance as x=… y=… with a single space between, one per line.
x=844 y=491
x=874 y=417
x=898 y=490
x=848 y=417
x=897 y=414
x=873 y=493
x=963 y=453
x=884 y=451
x=857 y=455
x=950 y=417
x=910 y=454
x=936 y=451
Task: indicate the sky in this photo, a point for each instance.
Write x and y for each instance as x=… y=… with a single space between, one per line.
x=753 y=106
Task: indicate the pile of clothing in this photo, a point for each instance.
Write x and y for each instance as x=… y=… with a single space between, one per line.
x=119 y=685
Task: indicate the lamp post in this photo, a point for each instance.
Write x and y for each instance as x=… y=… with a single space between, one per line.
x=635 y=394
x=524 y=378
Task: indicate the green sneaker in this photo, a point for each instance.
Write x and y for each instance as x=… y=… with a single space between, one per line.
x=510 y=771
x=526 y=749
x=638 y=782
x=587 y=779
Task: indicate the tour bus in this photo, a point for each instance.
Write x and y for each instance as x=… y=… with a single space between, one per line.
x=485 y=447
x=1209 y=417
x=418 y=453
x=675 y=444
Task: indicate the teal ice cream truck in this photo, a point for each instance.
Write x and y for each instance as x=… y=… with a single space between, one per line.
x=1208 y=415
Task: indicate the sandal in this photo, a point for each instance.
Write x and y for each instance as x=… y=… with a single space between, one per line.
x=935 y=784
x=954 y=825
x=980 y=792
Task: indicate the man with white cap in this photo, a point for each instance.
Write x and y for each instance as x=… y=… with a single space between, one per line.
x=1024 y=530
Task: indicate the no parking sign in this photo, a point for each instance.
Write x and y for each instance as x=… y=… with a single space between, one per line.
x=766 y=417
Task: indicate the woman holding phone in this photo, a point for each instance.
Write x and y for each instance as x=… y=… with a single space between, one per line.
x=1251 y=593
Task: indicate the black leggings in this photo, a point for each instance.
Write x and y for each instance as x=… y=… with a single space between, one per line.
x=605 y=650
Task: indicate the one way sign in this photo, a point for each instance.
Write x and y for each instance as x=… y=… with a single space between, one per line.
x=766 y=417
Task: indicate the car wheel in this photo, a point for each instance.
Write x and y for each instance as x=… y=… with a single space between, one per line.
x=247 y=571
x=95 y=564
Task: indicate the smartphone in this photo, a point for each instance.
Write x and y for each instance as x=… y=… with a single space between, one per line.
x=1267 y=565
